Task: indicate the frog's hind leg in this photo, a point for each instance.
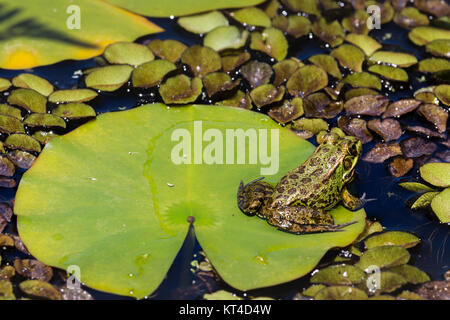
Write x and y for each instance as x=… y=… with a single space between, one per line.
x=253 y=196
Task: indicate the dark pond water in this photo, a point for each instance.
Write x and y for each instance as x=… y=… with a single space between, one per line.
x=432 y=255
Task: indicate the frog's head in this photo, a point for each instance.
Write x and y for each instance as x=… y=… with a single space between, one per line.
x=352 y=150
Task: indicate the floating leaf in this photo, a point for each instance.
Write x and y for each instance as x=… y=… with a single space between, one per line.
x=392 y=238
x=400 y=166
x=128 y=53
x=22 y=142
x=296 y=26
x=436 y=115
x=330 y=32
x=252 y=16
x=109 y=78
x=432 y=65
x=426 y=132
x=6 y=167
x=74 y=111
x=144 y=245
x=6 y=273
x=327 y=63
x=311 y=291
x=340 y=293
x=349 y=57
x=306 y=6
x=285 y=69
x=389 y=72
x=73 y=95
x=357 y=92
x=28 y=99
x=410 y=17
x=271 y=41
x=203 y=23
x=10 y=125
x=43 y=137
x=388 y=129
x=218 y=82
x=201 y=60
x=21 y=159
x=441 y=205
x=416 y=147
x=238 y=100
x=363 y=79
x=437 y=8
x=306 y=80
x=6 y=290
x=5 y=84
x=415 y=186
x=401 y=107
x=288 y=111
x=266 y=94
x=31 y=81
x=44 y=120
x=424 y=35
x=40 y=289
x=6 y=241
x=408 y=295
x=223 y=38
x=231 y=62
x=318 y=105
x=411 y=274
x=399 y=59
x=383 y=257
x=370 y=105
x=382 y=152
x=439 y=48
x=50 y=31
x=370 y=228
x=443 y=93
x=181 y=89
x=424 y=200
x=356 y=22
x=33 y=269
x=221 y=295
x=311 y=125
x=364 y=42
x=437 y=174
x=257 y=73
x=170 y=50
x=338 y=274
x=389 y=282
x=426 y=94
x=7 y=110
x=355 y=127
x=152 y=73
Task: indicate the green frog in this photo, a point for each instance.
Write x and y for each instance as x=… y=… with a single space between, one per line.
x=299 y=202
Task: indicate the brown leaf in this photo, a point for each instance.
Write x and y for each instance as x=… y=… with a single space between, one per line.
x=401 y=107
x=388 y=129
x=256 y=73
x=371 y=105
x=33 y=269
x=355 y=127
x=400 y=166
x=5 y=215
x=444 y=155
x=416 y=147
x=426 y=132
x=6 y=167
x=382 y=152
x=436 y=115
x=319 y=105
x=7 y=182
x=435 y=290
x=20 y=245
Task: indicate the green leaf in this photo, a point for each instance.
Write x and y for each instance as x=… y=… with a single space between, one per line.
x=112 y=202
x=339 y=275
x=437 y=174
x=203 y=23
x=44 y=32
x=109 y=78
x=411 y=274
x=424 y=200
x=383 y=257
x=415 y=186
x=392 y=238
x=228 y=37
x=340 y=293
x=441 y=206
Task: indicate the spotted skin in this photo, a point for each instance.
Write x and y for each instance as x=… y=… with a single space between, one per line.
x=300 y=200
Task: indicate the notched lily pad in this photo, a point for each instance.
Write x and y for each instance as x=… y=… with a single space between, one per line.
x=338 y=275
x=22 y=142
x=271 y=41
x=285 y=69
x=225 y=38
x=400 y=166
x=436 y=115
x=401 y=107
x=170 y=50
x=389 y=282
x=363 y=79
x=306 y=80
x=364 y=42
x=28 y=99
x=370 y=105
x=181 y=89
x=218 y=82
x=32 y=81
x=355 y=127
x=44 y=120
x=152 y=73
x=437 y=174
x=392 y=238
x=72 y=95
x=327 y=63
x=74 y=111
x=443 y=93
x=381 y=152
x=128 y=53
x=349 y=57
x=204 y=22
x=33 y=269
x=40 y=289
x=256 y=73
x=416 y=147
x=267 y=94
x=384 y=257
x=232 y=62
x=288 y=111
x=341 y=293
x=389 y=72
x=201 y=60
x=388 y=129
x=319 y=105
x=330 y=32
x=441 y=204
x=109 y=78
x=252 y=16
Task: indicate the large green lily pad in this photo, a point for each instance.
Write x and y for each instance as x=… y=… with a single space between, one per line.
x=108 y=198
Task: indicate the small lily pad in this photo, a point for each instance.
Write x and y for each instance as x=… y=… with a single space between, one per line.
x=356 y=22
x=426 y=94
x=440 y=47
x=381 y=152
x=327 y=63
x=271 y=41
x=312 y=290
x=252 y=16
x=201 y=60
x=10 y=125
x=306 y=80
x=441 y=206
x=319 y=105
x=33 y=269
x=424 y=35
x=410 y=18
x=356 y=127
x=296 y=26
x=311 y=125
x=32 y=81
x=238 y=100
x=232 y=62
x=267 y=94
x=204 y=22
x=349 y=57
x=389 y=282
x=363 y=79
x=22 y=142
x=6 y=290
x=226 y=37
x=357 y=92
x=415 y=186
x=218 y=82
x=338 y=275
x=28 y=99
x=8 y=110
x=400 y=166
x=389 y=72
x=285 y=69
x=388 y=129
x=401 y=107
x=392 y=238
x=416 y=147
x=43 y=136
x=21 y=159
x=366 y=43
x=128 y=53
x=411 y=274
x=443 y=93
x=371 y=105
x=74 y=110
x=288 y=111
x=399 y=59
x=5 y=84
x=384 y=257
x=170 y=50
x=256 y=73
x=6 y=167
x=40 y=289
x=436 y=115
x=437 y=174
x=428 y=133
x=424 y=200
x=181 y=89
x=306 y=6
x=109 y=78
x=72 y=95
x=152 y=73
x=432 y=65
x=44 y=120
x=341 y=293
x=330 y=32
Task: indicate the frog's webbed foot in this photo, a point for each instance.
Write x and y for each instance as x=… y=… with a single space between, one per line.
x=251 y=197
x=353 y=203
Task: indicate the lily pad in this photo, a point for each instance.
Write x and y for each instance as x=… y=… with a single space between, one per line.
x=416 y=147
x=128 y=53
x=370 y=105
x=152 y=73
x=392 y=238
x=396 y=59
x=181 y=89
x=252 y=16
x=338 y=275
x=8 y=110
x=267 y=94
x=356 y=22
x=388 y=129
x=363 y=79
x=366 y=43
x=306 y=80
x=437 y=174
x=203 y=23
x=28 y=99
x=441 y=204
x=170 y=50
x=288 y=111
x=232 y=62
x=40 y=289
x=424 y=35
x=131 y=253
x=410 y=18
x=440 y=47
x=72 y=95
x=271 y=41
x=384 y=257
x=201 y=60
x=218 y=82
x=389 y=72
x=355 y=127
x=5 y=84
x=32 y=81
x=296 y=26
x=33 y=269
x=424 y=200
x=443 y=93
x=44 y=120
x=10 y=125
x=432 y=65
x=74 y=111
x=400 y=166
x=401 y=107
x=330 y=32
x=319 y=105
x=22 y=142
x=238 y=100
x=256 y=73
x=6 y=290
x=312 y=125
x=227 y=37
x=327 y=63
x=381 y=152
x=436 y=115
x=340 y=293
x=411 y=274
x=349 y=57
x=109 y=78
x=285 y=69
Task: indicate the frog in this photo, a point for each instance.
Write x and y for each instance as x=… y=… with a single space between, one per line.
x=300 y=202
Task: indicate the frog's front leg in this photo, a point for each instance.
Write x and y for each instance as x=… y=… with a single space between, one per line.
x=301 y=220
x=254 y=196
x=351 y=202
